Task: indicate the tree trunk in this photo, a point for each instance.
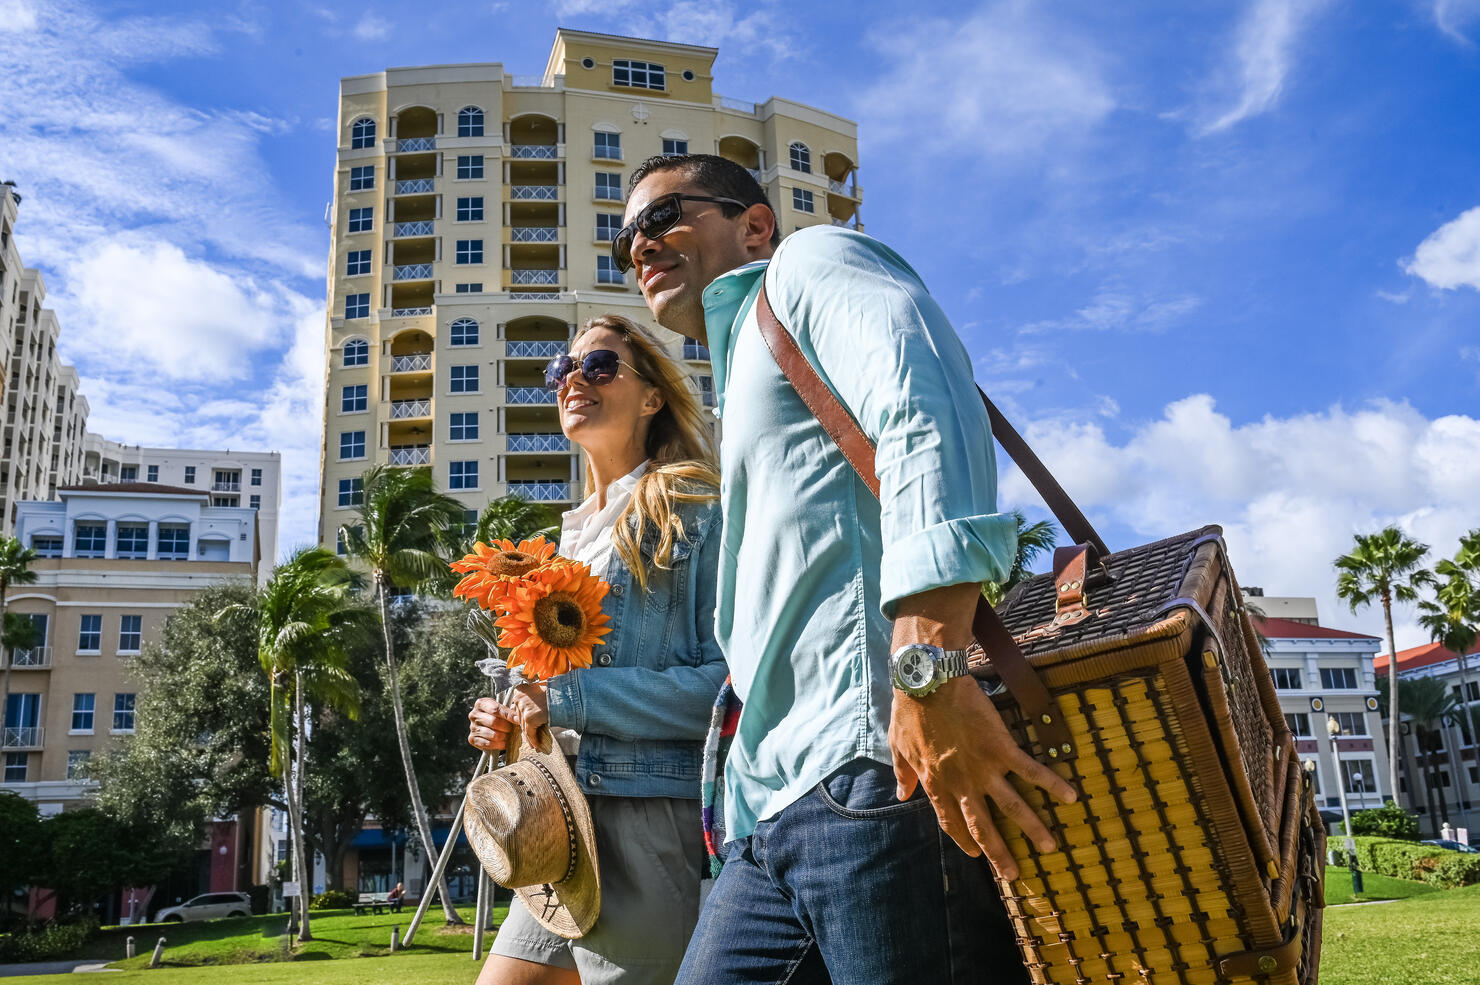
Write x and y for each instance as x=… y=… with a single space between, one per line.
x=418 y=811
x=300 y=848
x=1396 y=723
x=1437 y=766
x=1425 y=768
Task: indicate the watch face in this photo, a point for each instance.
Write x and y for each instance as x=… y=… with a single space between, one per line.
x=916 y=668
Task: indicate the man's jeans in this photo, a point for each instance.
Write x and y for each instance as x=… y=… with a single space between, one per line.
x=850 y=886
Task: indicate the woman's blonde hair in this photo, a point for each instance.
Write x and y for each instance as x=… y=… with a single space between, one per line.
x=683 y=463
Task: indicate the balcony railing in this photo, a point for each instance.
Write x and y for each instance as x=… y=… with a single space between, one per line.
x=693 y=350
x=739 y=105
x=411 y=454
x=756 y=174
x=410 y=312
x=846 y=223
x=226 y=486
x=422 y=227
x=535 y=234
x=528 y=395
x=538 y=193
x=533 y=350
x=418 y=362
x=30 y=738
x=535 y=277
x=539 y=491
x=839 y=188
x=539 y=442
x=607 y=153
x=402 y=409
x=36 y=658
x=416 y=186
x=410 y=144
x=413 y=271
x=534 y=152
x=533 y=295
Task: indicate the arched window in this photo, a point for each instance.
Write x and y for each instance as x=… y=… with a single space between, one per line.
x=801 y=157
x=356 y=352
x=470 y=122
x=464 y=331
x=362 y=134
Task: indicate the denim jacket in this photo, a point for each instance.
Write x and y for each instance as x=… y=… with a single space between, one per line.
x=643 y=705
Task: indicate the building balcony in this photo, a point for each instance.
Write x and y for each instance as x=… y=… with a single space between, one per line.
x=30 y=737
x=539 y=491
x=416 y=186
x=756 y=174
x=738 y=105
x=533 y=295
x=411 y=145
x=419 y=362
x=528 y=395
x=411 y=312
x=36 y=658
x=540 y=278
x=838 y=188
x=533 y=350
x=693 y=350
x=848 y=223
x=411 y=455
x=406 y=409
x=535 y=193
x=537 y=152
x=422 y=227
x=224 y=486
x=412 y=271
x=538 y=443
x=534 y=234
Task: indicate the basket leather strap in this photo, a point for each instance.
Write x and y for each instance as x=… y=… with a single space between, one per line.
x=1006 y=656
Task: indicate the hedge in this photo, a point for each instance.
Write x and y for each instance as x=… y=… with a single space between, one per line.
x=1408 y=860
x=54 y=940
x=334 y=899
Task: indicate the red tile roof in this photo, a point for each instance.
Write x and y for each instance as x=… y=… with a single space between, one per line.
x=1287 y=629
x=1421 y=656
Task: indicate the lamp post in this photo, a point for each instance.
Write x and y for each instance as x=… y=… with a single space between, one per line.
x=1334 y=728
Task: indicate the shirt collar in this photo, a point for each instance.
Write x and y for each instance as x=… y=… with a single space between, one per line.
x=626 y=484
x=724 y=305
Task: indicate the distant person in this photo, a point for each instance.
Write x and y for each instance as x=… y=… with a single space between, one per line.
x=395 y=897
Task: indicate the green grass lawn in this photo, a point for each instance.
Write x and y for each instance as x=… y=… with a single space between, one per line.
x=1429 y=939
x=402 y=969
x=1339 y=887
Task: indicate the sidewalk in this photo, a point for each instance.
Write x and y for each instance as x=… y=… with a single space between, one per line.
x=52 y=967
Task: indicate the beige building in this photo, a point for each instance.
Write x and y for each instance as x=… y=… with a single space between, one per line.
x=115 y=562
x=472 y=216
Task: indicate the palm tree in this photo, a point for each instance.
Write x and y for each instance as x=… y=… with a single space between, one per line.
x=1384 y=566
x=515 y=518
x=1033 y=539
x=1429 y=702
x=402 y=531
x=15 y=569
x=307 y=621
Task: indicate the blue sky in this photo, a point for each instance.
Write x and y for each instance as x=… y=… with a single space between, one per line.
x=1220 y=260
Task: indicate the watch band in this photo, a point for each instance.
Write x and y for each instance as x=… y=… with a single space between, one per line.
x=953 y=662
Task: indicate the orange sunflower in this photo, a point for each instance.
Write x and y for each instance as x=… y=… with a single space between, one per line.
x=491 y=572
x=553 y=619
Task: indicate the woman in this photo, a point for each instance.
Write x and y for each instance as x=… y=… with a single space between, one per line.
x=650 y=527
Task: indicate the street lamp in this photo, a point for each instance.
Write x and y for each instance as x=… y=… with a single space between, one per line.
x=1334 y=728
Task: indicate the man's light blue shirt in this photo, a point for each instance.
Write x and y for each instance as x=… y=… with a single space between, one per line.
x=812 y=564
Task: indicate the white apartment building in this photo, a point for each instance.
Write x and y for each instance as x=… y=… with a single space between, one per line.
x=1458 y=758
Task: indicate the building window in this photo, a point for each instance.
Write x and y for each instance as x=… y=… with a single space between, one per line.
x=90 y=540
x=639 y=75
x=362 y=220
x=465 y=379
x=47 y=546
x=607 y=272
x=76 y=762
x=356 y=353
x=469 y=289
x=673 y=148
x=469 y=166
x=362 y=134
x=82 y=712
x=608 y=146
x=1352 y=722
x=151 y=473
x=254 y=502
x=1314 y=774
x=470 y=523
x=464 y=331
x=801 y=157
x=15 y=767
x=706 y=390
x=256 y=477
x=1299 y=723
x=470 y=209
x=90 y=633
x=463 y=475
x=358 y=263
x=801 y=200
x=607 y=226
x=470 y=122
x=190 y=475
x=130 y=633
x=609 y=186
x=133 y=540
x=174 y=542
x=357 y=306
x=352 y=400
x=1286 y=678
x=464 y=426
x=351 y=492
x=469 y=251
x=1338 y=678
x=362 y=178
x=128 y=473
x=123 y=712
x=351 y=445
x=1357 y=775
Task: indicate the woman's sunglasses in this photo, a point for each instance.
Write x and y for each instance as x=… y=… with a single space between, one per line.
x=598 y=368
x=659 y=216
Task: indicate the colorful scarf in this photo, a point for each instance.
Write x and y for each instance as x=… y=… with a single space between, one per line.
x=722 y=723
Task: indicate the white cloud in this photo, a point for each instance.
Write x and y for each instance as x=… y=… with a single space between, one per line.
x=1289 y=492
x=1116 y=308
x=1028 y=83
x=1261 y=59
x=1450 y=256
x=372 y=28
x=17 y=16
x=1453 y=16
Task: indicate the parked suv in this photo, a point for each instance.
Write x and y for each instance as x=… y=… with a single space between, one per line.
x=207 y=907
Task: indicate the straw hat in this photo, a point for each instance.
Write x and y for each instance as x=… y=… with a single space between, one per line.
x=530 y=826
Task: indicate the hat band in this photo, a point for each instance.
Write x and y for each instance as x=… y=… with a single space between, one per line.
x=566 y=813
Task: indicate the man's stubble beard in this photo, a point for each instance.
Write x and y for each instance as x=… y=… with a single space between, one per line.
x=683 y=313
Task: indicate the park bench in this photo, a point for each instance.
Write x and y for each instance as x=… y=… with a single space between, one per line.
x=373 y=902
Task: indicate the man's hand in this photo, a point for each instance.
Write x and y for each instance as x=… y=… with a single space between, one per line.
x=489 y=725
x=954 y=743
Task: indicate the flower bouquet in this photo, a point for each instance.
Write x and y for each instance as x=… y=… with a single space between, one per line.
x=543 y=609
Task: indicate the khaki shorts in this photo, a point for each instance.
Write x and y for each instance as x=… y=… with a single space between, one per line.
x=651 y=851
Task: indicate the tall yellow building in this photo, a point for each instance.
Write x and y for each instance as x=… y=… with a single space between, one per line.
x=471 y=220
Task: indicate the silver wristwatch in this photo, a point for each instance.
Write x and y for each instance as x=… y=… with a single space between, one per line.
x=917 y=669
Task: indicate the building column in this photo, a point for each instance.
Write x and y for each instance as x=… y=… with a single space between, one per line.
x=110 y=548
x=153 y=540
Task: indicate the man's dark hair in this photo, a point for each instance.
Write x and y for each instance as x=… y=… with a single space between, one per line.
x=718 y=176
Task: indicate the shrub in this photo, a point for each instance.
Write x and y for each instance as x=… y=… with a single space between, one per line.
x=1409 y=860
x=1387 y=821
x=334 y=899
x=54 y=940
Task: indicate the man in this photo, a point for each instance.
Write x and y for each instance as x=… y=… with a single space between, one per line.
x=837 y=869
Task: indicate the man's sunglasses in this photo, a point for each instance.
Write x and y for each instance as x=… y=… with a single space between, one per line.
x=656 y=218
x=598 y=368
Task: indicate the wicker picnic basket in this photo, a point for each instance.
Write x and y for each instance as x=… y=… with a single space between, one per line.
x=1194 y=853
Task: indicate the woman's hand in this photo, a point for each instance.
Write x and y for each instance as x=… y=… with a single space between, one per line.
x=531 y=709
x=490 y=724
